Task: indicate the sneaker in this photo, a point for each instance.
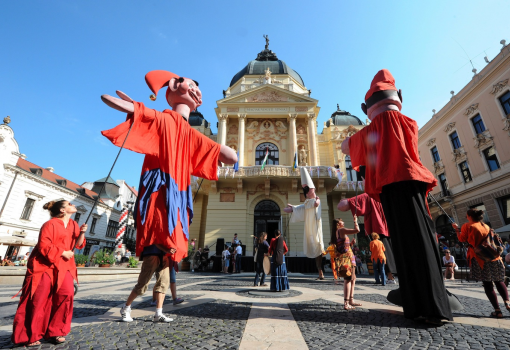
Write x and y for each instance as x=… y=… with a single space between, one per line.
x=153 y=303
x=391 y=282
x=125 y=313
x=178 y=301
x=162 y=318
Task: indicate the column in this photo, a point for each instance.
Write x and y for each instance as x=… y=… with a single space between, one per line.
x=240 y=138
x=312 y=144
x=222 y=129
x=292 y=148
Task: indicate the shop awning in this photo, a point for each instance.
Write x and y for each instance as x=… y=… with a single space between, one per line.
x=17 y=241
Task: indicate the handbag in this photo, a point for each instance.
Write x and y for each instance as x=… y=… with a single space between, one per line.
x=490 y=248
x=343 y=265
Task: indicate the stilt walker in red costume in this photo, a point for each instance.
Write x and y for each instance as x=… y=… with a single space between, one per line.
x=173 y=151
x=45 y=308
x=395 y=176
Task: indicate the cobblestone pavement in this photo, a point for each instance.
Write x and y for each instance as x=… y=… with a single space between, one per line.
x=218 y=309
x=325 y=325
x=274 y=295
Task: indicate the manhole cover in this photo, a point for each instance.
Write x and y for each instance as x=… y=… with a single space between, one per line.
x=257 y=293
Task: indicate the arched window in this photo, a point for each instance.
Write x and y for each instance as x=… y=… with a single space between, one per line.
x=260 y=154
x=351 y=173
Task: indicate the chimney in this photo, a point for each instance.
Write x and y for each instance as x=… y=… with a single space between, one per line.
x=50 y=169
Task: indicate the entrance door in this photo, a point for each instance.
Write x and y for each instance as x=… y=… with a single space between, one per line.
x=266 y=219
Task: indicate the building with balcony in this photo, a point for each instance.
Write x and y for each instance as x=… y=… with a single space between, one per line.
x=25 y=187
x=267 y=108
x=466 y=145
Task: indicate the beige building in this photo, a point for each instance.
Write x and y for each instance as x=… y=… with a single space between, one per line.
x=467 y=146
x=268 y=108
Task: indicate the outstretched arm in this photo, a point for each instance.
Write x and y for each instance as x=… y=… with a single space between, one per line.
x=123 y=104
x=288 y=208
x=227 y=155
x=343 y=205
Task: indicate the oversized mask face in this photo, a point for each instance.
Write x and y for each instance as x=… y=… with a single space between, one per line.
x=183 y=91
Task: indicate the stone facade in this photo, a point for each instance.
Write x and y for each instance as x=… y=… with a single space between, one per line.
x=476 y=166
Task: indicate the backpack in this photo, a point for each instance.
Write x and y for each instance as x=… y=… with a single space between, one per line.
x=490 y=248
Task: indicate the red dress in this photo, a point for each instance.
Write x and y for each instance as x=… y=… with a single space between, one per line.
x=388 y=147
x=46 y=305
x=173 y=151
x=373 y=213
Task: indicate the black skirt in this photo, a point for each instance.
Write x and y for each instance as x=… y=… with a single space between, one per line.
x=415 y=250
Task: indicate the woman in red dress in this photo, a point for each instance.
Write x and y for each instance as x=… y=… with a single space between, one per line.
x=46 y=305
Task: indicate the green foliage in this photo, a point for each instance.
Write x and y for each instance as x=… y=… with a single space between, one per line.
x=102 y=258
x=132 y=262
x=190 y=254
x=80 y=259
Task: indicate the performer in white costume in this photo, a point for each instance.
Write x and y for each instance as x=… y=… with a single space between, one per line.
x=310 y=213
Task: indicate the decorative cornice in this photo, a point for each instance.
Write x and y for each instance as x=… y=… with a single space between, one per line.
x=232 y=109
x=33 y=195
x=449 y=127
x=499 y=86
x=459 y=155
x=431 y=142
x=483 y=139
x=471 y=109
x=301 y=109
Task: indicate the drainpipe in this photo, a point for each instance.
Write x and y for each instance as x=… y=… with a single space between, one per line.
x=8 y=194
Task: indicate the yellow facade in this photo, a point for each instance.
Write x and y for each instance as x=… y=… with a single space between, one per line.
x=276 y=108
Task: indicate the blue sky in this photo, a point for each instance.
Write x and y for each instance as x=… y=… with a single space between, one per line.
x=58 y=57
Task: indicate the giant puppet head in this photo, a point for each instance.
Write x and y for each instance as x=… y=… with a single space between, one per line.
x=307 y=184
x=181 y=91
x=382 y=94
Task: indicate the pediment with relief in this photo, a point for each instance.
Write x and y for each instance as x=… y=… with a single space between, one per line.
x=267 y=93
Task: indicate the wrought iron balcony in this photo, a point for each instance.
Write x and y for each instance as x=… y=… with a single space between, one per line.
x=275 y=171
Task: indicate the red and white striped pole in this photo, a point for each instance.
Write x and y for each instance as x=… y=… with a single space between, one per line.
x=123 y=222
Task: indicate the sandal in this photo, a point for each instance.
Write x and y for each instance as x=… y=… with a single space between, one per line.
x=58 y=340
x=34 y=344
x=497 y=313
x=354 y=304
x=507 y=305
x=348 y=306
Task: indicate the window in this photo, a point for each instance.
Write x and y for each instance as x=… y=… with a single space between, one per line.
x=260 y=154
x=77 y=217
x=478 y=124
x=490 y=157
x=351 y=173
x=435 y=154
x=504 y=206
x=454 y=138
x=111 y=231
x=27 y=210
x=505 y=102
x=485 y=215
x=466 y=174
x=93 y=225
x=444 y=184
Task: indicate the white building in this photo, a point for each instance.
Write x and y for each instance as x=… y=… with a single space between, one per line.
x=25 y=187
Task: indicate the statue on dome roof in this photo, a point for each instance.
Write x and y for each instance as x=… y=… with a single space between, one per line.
x=267 y=41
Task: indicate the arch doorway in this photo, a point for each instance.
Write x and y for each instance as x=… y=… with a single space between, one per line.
x=444 y=227
x=267 y=218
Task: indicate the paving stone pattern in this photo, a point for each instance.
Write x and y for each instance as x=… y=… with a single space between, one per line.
x=96 y=304
x=214 y=325
x=325 y=325
x=245 y=293
x=168 y=300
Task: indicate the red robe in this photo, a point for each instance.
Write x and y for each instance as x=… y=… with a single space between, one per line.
x=173 y=151
x=388 y=148
x=373 y=213
x=54 y=238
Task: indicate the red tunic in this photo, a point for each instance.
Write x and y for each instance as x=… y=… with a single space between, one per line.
x=272 y=247
x=373 y=213
x=173 y=151
x=54 y=239
x=388 y=147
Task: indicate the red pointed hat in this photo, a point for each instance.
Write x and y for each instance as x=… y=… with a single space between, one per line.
x=157 y=79
x=383 y=80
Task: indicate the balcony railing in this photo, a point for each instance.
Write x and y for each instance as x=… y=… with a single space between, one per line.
x=443 y=195
x=275 y=171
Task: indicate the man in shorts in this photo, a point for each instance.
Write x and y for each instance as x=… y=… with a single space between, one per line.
x=156 y=262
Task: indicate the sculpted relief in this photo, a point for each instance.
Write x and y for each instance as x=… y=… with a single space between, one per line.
x=267 y=96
